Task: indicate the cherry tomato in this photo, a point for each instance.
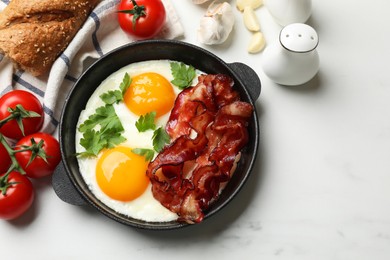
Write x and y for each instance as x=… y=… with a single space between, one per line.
x=18 y=197
x=29 y=103
x=5 y=159
x=148 y=24
x=38 y=167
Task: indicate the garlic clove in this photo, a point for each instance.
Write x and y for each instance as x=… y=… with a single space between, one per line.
x=241 y=4
x=257 y=43
x=250 y=19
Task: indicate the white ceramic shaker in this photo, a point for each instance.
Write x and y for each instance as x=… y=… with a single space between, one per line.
x=293 y=60
x=289 y=11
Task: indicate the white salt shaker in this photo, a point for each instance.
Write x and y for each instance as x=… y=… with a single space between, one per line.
x=289 y=11
x=293 y=60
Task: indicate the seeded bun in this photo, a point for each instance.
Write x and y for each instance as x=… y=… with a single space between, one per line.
x=33 y=33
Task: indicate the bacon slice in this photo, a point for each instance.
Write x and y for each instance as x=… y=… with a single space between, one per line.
x=208 y=129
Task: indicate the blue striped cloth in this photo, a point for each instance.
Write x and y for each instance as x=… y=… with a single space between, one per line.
x=99 y=35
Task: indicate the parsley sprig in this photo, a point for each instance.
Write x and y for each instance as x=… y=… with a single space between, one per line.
x=160 y=136
x=103 y=129
x=183 y=75
x=116 y=96
x=148 y=153
x=146 y=122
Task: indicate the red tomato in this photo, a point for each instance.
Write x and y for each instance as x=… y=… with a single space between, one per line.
x=5 y=159
x=18 y=196
x=148 y=24
x=29 y=103
x=38 y=168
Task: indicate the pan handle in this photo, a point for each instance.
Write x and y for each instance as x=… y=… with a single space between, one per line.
x=64 y=189
x=249 y=77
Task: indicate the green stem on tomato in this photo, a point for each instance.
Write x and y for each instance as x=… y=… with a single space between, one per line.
x=4 y=184
x=137 y=12
x=18 y=113
x=6 y=120
x=36 y=151
x=15 y=164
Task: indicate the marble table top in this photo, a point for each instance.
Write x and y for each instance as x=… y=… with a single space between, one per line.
x=320 y=187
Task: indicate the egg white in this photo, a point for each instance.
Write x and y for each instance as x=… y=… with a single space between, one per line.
x=144 y=207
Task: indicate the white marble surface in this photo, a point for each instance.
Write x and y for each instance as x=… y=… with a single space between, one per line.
x=320 y=189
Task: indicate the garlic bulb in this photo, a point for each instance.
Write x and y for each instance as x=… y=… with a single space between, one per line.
x=216 y=24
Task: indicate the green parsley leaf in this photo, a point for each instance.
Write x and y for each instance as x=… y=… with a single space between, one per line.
x=111 y=97
x=160 y=138
x=104 y=116
x=126 y=81
x=182 y=74
x=146 y=122
x=116 y=96
x=148 y=153
x=92 y=143
x=108 y=135
x=113 y=138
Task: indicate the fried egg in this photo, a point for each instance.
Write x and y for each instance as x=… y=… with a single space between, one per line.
x=117 y=177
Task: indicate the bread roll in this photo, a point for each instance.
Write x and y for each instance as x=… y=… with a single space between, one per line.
x=33 y=33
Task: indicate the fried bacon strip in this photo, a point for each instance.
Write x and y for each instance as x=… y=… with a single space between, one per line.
x=208 y=128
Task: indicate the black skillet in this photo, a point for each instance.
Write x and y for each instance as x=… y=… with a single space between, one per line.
x=67 y=180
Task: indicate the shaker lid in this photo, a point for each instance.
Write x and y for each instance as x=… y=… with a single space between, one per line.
x=298 y=37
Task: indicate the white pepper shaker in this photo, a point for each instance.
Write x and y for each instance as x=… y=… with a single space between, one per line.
x=293 y=60
x=289 y=11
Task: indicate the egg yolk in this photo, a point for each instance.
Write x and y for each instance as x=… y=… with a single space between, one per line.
x=150 y=92
x=121 y=174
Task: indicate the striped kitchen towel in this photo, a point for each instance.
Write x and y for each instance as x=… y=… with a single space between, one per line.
x=100 y=34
